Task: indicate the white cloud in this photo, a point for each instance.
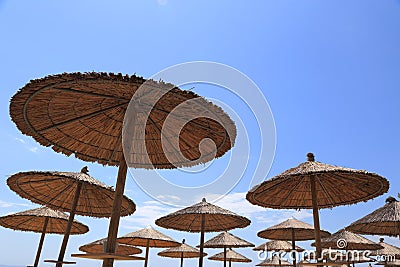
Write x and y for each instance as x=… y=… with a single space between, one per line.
x=33 y=149
x=4 y=204
x=162 y=2
x=20 y=140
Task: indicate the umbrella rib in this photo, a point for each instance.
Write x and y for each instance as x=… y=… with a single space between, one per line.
x=89 y=207
x=88 y=93
x=78 y=118
x=42 y=180
x=59 y=193
x=292 y=190
x=29 y=219
x=115 y=148
x=325 y=190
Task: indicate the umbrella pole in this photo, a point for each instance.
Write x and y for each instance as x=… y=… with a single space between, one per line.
x=230 y=263
x=293 y=248
x=224 y=256
x=146 y=259
x=69 y=225
x=203 y=221
x=316 y=219
x=39 y=250
x=181 y=259
x=116 y=211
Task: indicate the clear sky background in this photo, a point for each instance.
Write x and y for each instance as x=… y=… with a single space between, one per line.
x=330 y=71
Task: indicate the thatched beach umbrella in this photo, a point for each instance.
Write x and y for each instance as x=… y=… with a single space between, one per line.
x=383 y=221
x=99 y=245
x=182 y=251
x=42 y=220
x=203 y=217
x=317 y=185
x=76 y=192
x=291 y=230
x=227 y=240
x=149 y=238
x=83 y=114
x=274 y=261
x=388 y=250
x=230 y=256
x=279 y=245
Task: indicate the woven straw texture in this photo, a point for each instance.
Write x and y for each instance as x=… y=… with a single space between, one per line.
x=83 y=114
x=283 y=231
x=216 y=219
x=226 y=239
x=386 y=250
x=148 y=237
x=335 y=186
x=33 y=221
x=57 y=190
x=182 y=251
x=274 y=261
x=277 y=245
x=231 y=255
x=98 y=247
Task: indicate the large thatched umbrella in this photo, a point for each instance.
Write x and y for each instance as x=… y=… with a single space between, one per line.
x=149 y=238
x=42 y=220
x=317 y=185
x=383 y=221
x=230 y=256
x=76 y=192
x=98 y=247
x=291 y=229
x=83 y=114
x=227 y=240
x=275 y=260
x=183 y=251
x=203 y=217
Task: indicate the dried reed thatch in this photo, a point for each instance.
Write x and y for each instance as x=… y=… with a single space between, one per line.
x=103 y=256
x=33 y=221
x=274 y=261
x=228 y=240
x=148 y=237
x=83 y=114
x=387 y=250
x=98 y=247
x=182 y=251
x=383 y=221
x=231 y=256
x=291 y=230
x=346 y=240
x=277 y=245
x=57 y=189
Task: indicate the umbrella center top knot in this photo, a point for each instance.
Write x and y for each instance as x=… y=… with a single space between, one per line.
x=310 y=157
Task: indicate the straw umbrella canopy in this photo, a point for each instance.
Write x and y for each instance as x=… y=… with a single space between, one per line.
x=203 y=217
x=383 y=221
x=291 y=229
x=42 y=220
x=98 y=247
x=182 y=251
x=230 y=255
x=83 y=114
x=277 y=245
x=274 y=261
x=149 y=238
x=78 y=193
x=227 y=240
x=387 y=250
x=317 y=185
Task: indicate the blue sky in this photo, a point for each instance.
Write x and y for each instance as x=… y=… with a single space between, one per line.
x=328 y=69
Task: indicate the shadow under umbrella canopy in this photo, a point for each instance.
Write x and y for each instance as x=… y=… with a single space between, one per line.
x=94 y=115
x=203 y=217
x=149 y=238
x=181 y=252
x=42 y=220
x=291 y=230
x=227 y=240
x=230 y=256
x=314 y=185
x=74 y=192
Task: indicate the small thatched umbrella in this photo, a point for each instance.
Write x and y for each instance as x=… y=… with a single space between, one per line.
x=383 y=221
x=292 y=230
x=42 y=220
x=99 y=245
x=278 y=245
x=75 y=192
x=203 y=217
x=274 y=261
x=230 y=256
x=183 y=251
x=388 y=252
x=317 y=185
x=149 y=238
x=227 y=240
x=84 y=114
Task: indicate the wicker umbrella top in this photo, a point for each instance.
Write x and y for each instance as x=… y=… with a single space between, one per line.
x=182 y=251
x=277 y=245
x=386 y=250
x=383 y=221
x=98 y=247
x=216 y=219
x=283 y=231
x=335 y=186
x=226 y=239
x=346 y=240
x=148 y=237
x=33 y=220
x=57 y=189
x=274 y=261
x=231 y=255
x=83 y=114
